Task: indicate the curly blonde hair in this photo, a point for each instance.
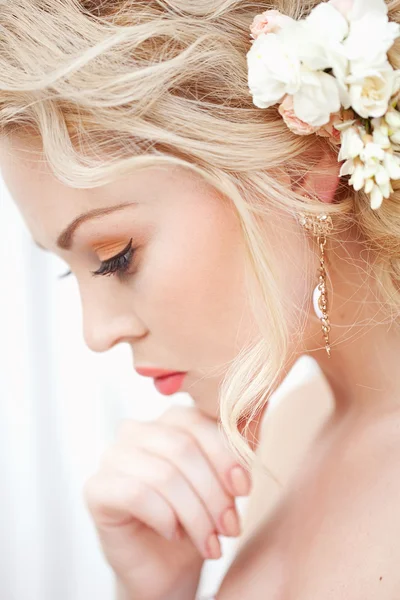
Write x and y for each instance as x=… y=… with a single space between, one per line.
x=113 y=85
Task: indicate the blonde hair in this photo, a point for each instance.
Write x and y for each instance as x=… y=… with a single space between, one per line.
x=113 y=85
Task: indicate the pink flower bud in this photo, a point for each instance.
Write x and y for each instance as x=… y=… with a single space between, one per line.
x=343 y=6
x=295 y=124
x=329 y=130
x=270 y=21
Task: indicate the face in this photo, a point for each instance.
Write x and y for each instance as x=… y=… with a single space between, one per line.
x=181 y=302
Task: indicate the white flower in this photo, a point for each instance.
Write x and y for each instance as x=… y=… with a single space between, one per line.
x=396 y=85
x=370 y=91
x=298 y=127
x=381 y=133
x=395 y=138
x=320 y=37
x=347 y=168
x=352 y=144
x=317 y=98
x=318 y=40
x=369 y=165
x=371 y=35
x=361 y=7
x=392 y=165
x=369 y=186
x=392 y=118
x=382 y=176
x=371 y=154
x=270 y=21
x=376 y=197
x=273 y=70
x=357 y=180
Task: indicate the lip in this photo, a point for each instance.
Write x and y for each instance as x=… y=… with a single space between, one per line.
x=166 y=382
x=170 y=384
x=155 y=373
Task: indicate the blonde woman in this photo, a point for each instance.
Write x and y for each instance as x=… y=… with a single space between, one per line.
x=222 y=178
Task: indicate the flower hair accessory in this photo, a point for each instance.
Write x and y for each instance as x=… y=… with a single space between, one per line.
x=330 y=75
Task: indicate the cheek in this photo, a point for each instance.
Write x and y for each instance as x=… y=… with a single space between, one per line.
x=193 y=290
x=297 y=277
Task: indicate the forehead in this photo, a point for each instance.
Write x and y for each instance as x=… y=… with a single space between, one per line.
x=47 y=205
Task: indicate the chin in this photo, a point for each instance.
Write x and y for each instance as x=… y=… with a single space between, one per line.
x=204 y=405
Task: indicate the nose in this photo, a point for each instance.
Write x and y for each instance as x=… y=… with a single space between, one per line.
x=108 y=322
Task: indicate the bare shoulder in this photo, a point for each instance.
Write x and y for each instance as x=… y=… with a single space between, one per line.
x=353 y=521
x=335 y=533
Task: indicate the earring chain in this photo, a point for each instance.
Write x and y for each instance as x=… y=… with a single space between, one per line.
x=320 y=226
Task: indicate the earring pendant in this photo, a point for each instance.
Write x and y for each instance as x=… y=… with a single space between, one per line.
x=320 y=226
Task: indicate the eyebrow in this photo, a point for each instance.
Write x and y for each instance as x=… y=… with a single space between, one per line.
x=66 y=237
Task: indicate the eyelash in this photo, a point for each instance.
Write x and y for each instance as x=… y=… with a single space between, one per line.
x=119 y=263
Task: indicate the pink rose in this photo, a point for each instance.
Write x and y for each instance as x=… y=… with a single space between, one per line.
x=343 y=6
x=295 y=124
x=329 y=130
x=270 y=21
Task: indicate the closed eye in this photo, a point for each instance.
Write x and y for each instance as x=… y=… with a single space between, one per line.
x=119 y=263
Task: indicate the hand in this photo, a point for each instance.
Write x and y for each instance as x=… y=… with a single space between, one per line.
x=164 y=492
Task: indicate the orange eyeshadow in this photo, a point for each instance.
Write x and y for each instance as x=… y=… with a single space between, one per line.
x=108 y=249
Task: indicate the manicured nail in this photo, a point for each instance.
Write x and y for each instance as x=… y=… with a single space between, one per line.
x=240 y=481
x=230 y=523
x=213 y=547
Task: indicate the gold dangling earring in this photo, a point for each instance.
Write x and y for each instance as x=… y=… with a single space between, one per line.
x=320 y=226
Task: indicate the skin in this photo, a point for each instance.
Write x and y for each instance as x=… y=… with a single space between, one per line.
x=186 y=282
x=184 y=307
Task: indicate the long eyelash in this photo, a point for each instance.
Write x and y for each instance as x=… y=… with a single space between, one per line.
x=117 y=264
x=120 y=262
x=64 y=275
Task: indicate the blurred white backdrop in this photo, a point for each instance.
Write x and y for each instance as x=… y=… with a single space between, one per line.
x=59 y=406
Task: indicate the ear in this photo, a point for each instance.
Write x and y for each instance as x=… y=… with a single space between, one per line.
x=323 y=179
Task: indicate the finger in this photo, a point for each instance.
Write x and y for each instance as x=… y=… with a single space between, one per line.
x=183 y=450
x=233 y=476
x=166 y=479
x=115 y=500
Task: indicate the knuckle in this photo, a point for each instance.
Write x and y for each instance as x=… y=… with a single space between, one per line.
x=201 y=522
x=168 y=474
x=183 y=445
x=137 y=494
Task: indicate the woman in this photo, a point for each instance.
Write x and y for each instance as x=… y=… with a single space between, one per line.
x=206 y=172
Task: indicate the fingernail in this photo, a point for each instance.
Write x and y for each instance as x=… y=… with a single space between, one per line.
x=213 y=547
x=240 y=481
x=230 y=523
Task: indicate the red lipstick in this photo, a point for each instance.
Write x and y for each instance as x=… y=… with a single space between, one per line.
x=166 y=382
